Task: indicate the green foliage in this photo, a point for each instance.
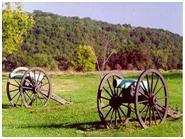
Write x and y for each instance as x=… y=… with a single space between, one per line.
x=84 y=59
x=15 y=25
x=41 y=60
x=135 y=47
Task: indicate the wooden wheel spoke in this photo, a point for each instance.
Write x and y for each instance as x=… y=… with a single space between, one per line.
x=37 y=80
x=119 y=94
x=119 y=115
x=125 y=105
x=105 y=98
x=148 y=83
x=160 y=105
x=153 y=111
x=34 y=74
x=146 y=114
x=14 y=84
x=143 y=101
x=144 y=89
x=27 y=87
x=32 y=99
x=35 y=99
x=155 y=85
x=158 y=90
x=18 y=99
x=111 y=117
x=105 y=106
x=162 y=97
x=150 y=116
x=158 y=113
x=115 y=118
x=15 y=95
x=107 y=91
x=117 y=91
x=25 y=98
x=110 y=86
x=152 y=83
x=28 y=95
x=143 y=94
x=144 y=108
x=18 y=83
x=108 y=112
x=40 y=99
x=122 y=111
x=14 y=90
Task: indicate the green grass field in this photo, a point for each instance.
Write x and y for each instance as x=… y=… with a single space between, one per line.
x=81 y=117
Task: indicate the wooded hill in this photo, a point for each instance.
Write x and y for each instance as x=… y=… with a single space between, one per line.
x=53 y=41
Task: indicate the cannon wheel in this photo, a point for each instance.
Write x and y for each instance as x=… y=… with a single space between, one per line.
x=112 y=112
x=151 y=100
x=13 y=90
x=35 y=88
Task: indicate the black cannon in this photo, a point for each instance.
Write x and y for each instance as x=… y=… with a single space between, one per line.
x=30 y=87
x=147 y=97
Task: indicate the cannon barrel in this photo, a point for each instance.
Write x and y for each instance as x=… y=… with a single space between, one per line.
x=19 y=72
x=125 y=83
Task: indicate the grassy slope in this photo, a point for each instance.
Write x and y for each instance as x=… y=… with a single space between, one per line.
x=81 y=118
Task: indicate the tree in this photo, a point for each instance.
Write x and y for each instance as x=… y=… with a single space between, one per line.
x=115 y=46
x=84 y=59
x=16 y=24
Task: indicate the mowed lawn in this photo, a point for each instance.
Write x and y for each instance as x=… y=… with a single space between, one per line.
x=81 y=117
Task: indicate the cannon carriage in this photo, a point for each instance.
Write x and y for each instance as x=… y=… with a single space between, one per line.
x=147 y=97
x=30 y=87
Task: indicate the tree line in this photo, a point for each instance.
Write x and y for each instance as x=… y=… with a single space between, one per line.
x=56 y=42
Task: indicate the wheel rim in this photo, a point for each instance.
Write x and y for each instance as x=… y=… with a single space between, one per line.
x=13 y=92
x=35 y=88
x=151 y=100
x=112 y=112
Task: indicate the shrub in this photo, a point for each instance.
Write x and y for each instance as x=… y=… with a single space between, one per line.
x=84 y=59
x=42 y=60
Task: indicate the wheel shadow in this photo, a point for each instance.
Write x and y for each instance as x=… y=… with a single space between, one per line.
x=87 y=126
x=9 y=106
x=6 y=106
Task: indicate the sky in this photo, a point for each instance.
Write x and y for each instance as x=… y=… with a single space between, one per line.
x=168 y=16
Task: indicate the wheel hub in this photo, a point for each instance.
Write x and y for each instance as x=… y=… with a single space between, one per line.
x=152 y=100
x=36 y=89
x=115 y=102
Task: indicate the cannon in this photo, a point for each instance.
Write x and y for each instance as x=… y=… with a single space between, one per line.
x=30 y=87
x=147 y=97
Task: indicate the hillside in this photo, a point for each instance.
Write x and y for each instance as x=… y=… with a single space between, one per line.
x=53 y=40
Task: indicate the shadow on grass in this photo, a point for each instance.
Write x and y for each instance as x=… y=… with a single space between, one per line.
x=93 y=126
x=6 y=106
x=87 y=126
